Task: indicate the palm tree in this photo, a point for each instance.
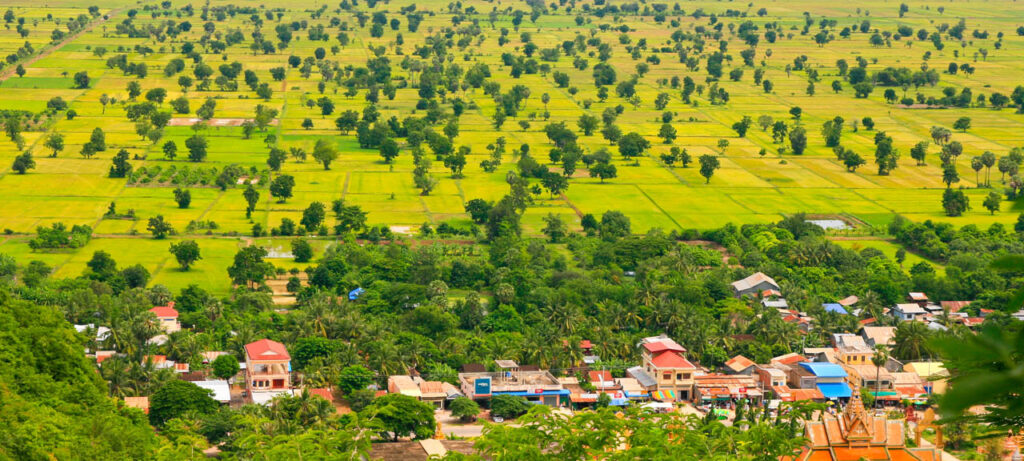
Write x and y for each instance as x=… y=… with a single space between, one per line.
x=910 y=340
x=879 y=359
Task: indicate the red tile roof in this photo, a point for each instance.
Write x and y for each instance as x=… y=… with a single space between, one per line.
x=323 y=392
x=670 y=359
x=266 y=349
x=739 y=363
x=165 y=311
x=599 y=376
x=664 y=345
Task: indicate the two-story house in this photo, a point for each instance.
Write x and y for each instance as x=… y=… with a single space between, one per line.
x=664 y=360
x=267 y=369
x=167 y=317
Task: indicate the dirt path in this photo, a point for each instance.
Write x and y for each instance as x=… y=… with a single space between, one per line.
x=48 y=51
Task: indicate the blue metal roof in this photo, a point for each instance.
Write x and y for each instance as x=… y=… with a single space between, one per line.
x=834 y=307
x=835 y=390
x=824 y=369
x=354 y=294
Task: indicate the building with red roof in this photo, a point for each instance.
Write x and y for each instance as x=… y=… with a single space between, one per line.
x=664 y=361
x=267 y=367
x=167 y=316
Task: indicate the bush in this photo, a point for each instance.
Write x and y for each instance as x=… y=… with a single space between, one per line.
x=508 y=406
x=465 y=409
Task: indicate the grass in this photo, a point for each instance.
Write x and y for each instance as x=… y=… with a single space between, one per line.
x=748 y=188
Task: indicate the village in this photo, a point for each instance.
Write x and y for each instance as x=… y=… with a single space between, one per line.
x=664 y=379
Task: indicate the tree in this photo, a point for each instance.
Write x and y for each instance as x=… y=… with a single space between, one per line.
x=388 y=150
x=508 y=406
x=225 y=366
x=962 y=124
x=302 y=250
x=798 y=140
x=353 y=378
x=196 y=148
x=554 y=227
x=159 y=227
x=949 y=174
x=464 y=408
x=989 y=160
x=919 y=151
x=603 y=171
x=992 y=202
x=402 y=415
x=176 y=398
x=325 y=152
x=170 y=150
x=632 y=145
x=555 y=183
x=186 y=252
x=313 y=216
x=708 y=165
x=955 y=202
x=183 y=197
x=743 y=125
x=120 y=167
x=54 y=142
x=588 y=123
x=249 y=268
x=251 y=197
x=667 y=133
x=81 y=80
x=478 y=209
x=23 y=163
x=281 y=187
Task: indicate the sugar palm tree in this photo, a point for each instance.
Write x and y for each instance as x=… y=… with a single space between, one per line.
x=910 y=340
x=880 y=357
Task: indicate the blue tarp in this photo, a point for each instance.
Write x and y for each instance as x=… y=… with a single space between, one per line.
x=354 y=294
x=835 y=390
x=833 y=307
x=824 y=369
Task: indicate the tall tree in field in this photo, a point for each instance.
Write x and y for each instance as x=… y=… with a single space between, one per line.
x=251 y=197
x=325 y=152
x=249 y=269
x=708 y=165
x=186 y=252
x=281 y=187
x=54 y=142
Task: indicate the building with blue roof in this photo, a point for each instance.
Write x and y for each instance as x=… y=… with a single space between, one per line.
x=835 y=307
x=829 y=378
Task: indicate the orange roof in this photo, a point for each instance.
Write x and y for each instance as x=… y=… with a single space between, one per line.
x=739 y=363
x=790 y=359
x=603 y=375
x=671 y=359
x=266 y=349
x=323 y=392
x=141 y=403
x=165 y=311
x=806 y=394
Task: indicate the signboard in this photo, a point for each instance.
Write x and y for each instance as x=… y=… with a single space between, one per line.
x=482 y=386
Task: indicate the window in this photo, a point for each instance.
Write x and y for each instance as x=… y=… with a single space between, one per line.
x=666 y=376
x=686 y=376
x=679 y=376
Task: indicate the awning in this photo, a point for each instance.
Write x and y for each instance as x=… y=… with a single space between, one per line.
x=835 y=390
x=664 y=396
x=536 y=394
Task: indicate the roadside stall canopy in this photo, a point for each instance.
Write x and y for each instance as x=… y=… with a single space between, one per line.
x=835 y=390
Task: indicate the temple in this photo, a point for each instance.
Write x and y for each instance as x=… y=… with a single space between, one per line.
x=857 y=435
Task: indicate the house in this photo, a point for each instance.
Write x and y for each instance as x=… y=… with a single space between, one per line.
x=791 y=358
x=756 y=285
x=141 y=403
x=646 y=381
x=878 y=336
x=538 y=386
x=874 y=379
x=219 y=388
x=663 y=359
x=848 y=301
x=267 y=370
x=933 y=374
x=821 y=354
x=851 y=349
x=829 y=378
x=632 y=388
x=855 y=434
x=602 y=380
x=167 y=317
x=722 y=388
x=770 y=376
x=739 y=365
x=954 y=307
x=835 y=308
x=909 y=386
x=777 y=303
x=908 y=311
x=402 y=384
x=918 y=298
